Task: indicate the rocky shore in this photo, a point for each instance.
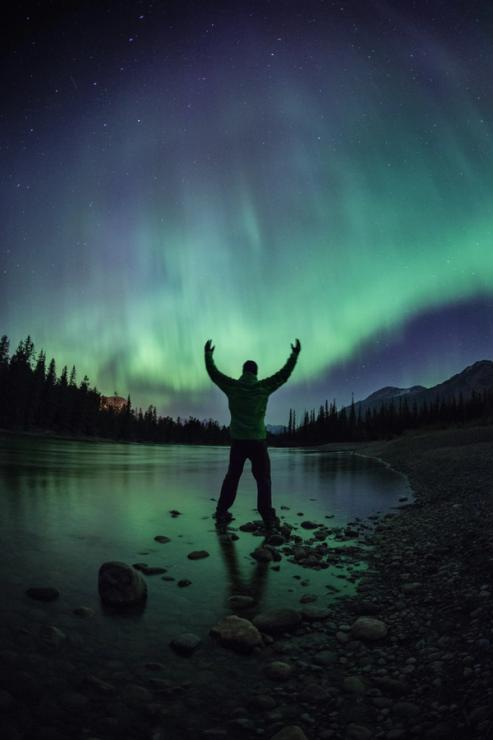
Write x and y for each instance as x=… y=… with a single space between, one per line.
x=409 y=656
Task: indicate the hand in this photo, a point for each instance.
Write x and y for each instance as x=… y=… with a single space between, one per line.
x=208 y=346
x=296 y=347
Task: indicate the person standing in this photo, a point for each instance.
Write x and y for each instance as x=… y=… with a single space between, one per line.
x=247 y=397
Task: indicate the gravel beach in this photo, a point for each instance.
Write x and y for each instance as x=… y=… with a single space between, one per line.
x=410 y=655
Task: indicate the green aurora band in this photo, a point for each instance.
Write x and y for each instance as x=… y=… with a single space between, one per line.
x=332 y=206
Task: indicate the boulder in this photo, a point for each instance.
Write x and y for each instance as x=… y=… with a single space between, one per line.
x=277 y=620
x=120 y=585
x=237 y=634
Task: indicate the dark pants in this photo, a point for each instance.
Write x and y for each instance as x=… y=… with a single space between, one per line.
x=256 y=451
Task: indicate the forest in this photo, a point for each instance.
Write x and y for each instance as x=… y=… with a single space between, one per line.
x=388 y=419
x=34 y=398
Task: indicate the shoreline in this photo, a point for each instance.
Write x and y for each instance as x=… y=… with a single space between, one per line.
x=431 y=579
x=428 y=582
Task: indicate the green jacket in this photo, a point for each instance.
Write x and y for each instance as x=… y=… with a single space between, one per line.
x=248 y=397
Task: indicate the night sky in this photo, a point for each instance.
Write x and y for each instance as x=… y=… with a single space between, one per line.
x=251 y=173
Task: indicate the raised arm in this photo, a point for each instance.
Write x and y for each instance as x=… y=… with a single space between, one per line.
x=275 y=381
x=217 y=377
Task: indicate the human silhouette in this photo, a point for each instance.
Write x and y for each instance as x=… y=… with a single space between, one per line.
x=248 y=398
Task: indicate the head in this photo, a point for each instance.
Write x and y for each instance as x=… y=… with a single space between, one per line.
x=250 y=367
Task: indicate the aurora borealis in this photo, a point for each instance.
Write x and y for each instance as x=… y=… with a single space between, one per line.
x=251 y=173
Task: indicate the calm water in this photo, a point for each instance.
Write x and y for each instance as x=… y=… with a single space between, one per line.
x=66 y=507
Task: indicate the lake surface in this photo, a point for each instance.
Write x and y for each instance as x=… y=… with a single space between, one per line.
x=67 y=506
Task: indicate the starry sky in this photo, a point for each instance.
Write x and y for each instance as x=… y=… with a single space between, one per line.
x=249 y=172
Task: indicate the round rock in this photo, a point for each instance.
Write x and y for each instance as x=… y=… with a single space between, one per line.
x=277 y=620
x=237 y=634
x=120 y=585
x=197 y=554
x=152 y=570
x=278 y=670
x=186 y=643
x=368 y=628
x=314 y=613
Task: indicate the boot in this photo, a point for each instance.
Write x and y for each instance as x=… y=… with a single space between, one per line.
x=271 y=521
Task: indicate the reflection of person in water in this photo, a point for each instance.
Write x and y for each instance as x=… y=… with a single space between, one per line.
x=254 y=585
x=248 y=398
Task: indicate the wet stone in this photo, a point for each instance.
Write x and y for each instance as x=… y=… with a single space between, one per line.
x=262 y=702
x=368 y=628
x=276 y=539
x=120 y=585
x=198 y=555
x=237 y=634
x=262 y=555
x=353 y=685
x=186 y=643
x=152 y=570
x=307 y=598
x=278 y=670
x=277 y=620
x=314 y=613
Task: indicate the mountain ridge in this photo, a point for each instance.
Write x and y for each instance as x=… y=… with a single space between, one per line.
x=474 y=378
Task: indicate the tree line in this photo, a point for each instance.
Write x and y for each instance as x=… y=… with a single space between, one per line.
x=34 y=398
x=390 y=419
